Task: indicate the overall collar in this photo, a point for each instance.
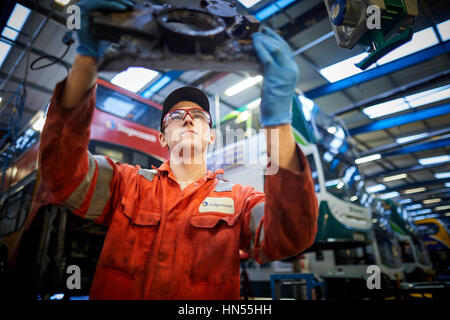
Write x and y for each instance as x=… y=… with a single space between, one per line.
x=165 y=167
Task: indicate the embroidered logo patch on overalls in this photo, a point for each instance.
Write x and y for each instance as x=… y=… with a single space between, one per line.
x=222 y=205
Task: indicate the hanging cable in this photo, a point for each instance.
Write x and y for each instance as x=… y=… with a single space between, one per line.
x=68 y=41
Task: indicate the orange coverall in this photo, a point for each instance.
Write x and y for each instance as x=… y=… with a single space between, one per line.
x=164 y=242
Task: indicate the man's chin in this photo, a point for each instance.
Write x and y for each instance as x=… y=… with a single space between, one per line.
x=187 y=150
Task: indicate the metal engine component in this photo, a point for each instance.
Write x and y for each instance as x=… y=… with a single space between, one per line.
x=212 y=37
x=350 y=23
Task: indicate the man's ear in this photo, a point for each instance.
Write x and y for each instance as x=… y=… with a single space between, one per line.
x=162 y=140
x=213 y=136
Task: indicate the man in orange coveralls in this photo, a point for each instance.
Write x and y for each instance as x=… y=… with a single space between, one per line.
x=176 y=232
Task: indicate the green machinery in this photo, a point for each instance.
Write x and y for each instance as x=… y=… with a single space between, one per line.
x=380 y=25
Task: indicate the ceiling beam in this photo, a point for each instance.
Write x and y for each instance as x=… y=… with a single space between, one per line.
x=404 y=170
x=427 y=145
x=395 y=145
x=395 y=121
x=383 y=70
x=413 y=87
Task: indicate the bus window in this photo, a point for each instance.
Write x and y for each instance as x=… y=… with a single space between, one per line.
x=123 y=154
x=428 y=229
x=389 y=251
x=407 y=253
x=126 y=107
x=350 y=256
x=25 y=141
x=10 y=213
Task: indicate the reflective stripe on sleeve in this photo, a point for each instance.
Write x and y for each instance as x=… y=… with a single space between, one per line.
x=76 y=198
x=256 y=215
x=101 y=191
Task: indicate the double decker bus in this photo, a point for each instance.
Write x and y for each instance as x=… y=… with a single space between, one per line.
x=38 y=238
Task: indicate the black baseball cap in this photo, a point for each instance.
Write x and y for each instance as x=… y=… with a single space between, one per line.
x=187 y=93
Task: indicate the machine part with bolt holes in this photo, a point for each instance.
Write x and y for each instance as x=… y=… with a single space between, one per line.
x=212 y=37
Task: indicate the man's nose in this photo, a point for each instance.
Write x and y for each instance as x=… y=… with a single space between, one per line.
x=188 y=119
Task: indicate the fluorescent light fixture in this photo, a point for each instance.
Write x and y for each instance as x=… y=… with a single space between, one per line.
x=343 y=69
x=134 y=78
x=272 y=9
x=368 y=158
x=385 y=108
x=447 y=184
x=327 y=156
x=243 y=85
x=411 y=138
x=426 y=217
x=429 y=96
x=62 y=2
x=331 y=183
x=415 y=190
x=420 y=212
x=414 y=207
x=434 y=160
x=243 y=116
x=18 y=17
x=389 y=195
x=440 y=208
x=331 y=130
x=411 y=101
x=404 y=201
x=444 y=30
x=428 y=201
x=354 y=198
x=442 y=175
x=376 y=188
x=335 y=144
x=364 y=197
x=10 y=33
x=254 y=104
x=395 y=177
x=249 y=3
x=348 y=174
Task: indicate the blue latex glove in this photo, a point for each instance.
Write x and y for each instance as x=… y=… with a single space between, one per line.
x=280 y=77
x=88 y=45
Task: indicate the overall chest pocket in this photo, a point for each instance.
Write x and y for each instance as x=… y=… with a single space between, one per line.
x=130 y=239
x=215 y=249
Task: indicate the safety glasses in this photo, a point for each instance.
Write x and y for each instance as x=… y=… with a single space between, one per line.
x=177 y=116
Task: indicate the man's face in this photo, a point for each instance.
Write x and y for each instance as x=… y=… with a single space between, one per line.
x=188 y=137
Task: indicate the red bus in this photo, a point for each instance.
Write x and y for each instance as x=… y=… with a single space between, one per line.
x=39 y=239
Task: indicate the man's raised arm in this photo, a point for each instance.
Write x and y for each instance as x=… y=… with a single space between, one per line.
x=77 y=179
x=283 y=221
